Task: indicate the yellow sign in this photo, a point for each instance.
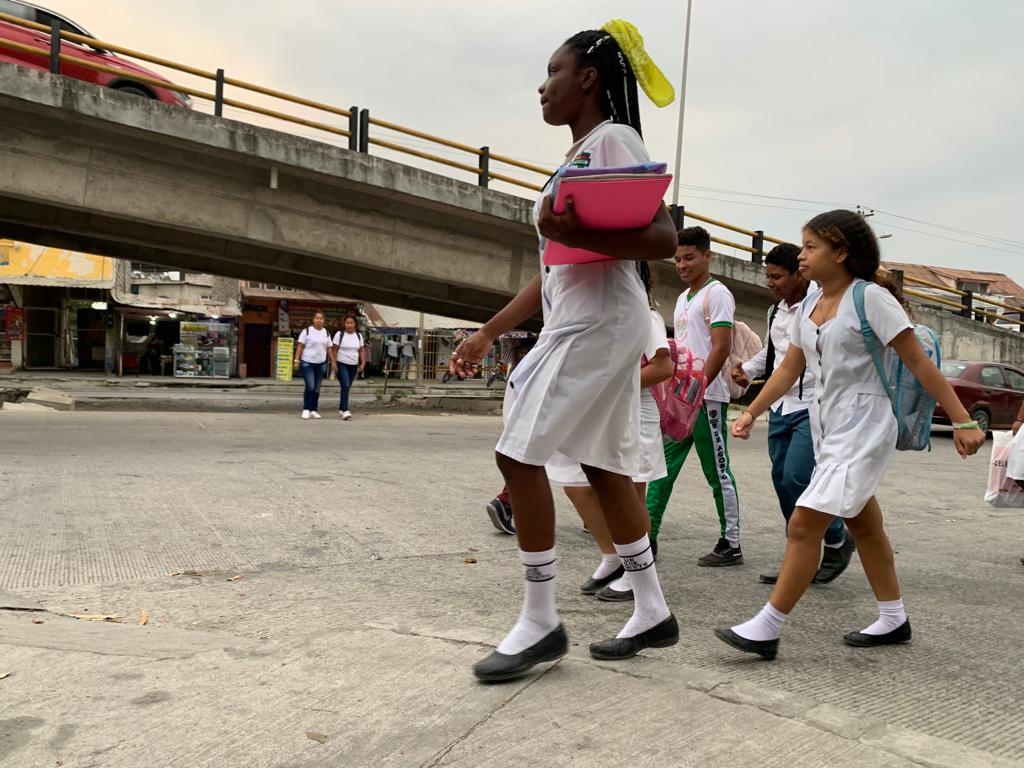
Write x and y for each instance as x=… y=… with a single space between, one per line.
x=283 y=363
x=27 y=264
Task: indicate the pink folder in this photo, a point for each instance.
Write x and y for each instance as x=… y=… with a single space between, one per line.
x=612 y=201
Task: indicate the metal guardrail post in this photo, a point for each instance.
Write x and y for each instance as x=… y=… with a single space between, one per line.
x=677 y=216
x=485 y=167
x=968 y=301
x=758 y=245
x=55 y=47
x=218 y=95
x=353 y=137
x=897 y=276
x=364 y=131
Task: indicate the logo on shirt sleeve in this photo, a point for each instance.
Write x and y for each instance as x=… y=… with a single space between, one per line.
x=582 y=160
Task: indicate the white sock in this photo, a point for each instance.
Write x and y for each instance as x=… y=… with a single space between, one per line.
x=767 y=625
x=649 y=607
x=538 y=617
x=891 y=615
x=621 y=584
x=609 y=564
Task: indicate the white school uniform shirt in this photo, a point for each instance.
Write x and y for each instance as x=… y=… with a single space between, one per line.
x=316 y=345
x=578 y=390
x=852 y=422
x=563 y=471
x=791 y=402
x=348 y=345
x=694 y=333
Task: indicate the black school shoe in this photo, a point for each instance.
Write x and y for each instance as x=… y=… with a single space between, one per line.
x=592 y=586
x=610 y=595
x=723 y=554
x=766 y=649
x=899 y=635
x=501 y=516
x=503 y=666
x=661 y=635
x=768 y=578
x=834 y=561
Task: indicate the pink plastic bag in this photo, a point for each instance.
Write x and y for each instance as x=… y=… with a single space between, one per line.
x=681 y=396
x=1003 y=490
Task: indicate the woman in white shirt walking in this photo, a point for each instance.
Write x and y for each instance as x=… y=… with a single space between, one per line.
x=350 y=356
x=852 y=423
x=312 y=353
x=578 y=390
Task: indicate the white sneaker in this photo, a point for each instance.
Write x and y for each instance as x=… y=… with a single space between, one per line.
x=305 y=414
x=315 y=415
x=346 y=415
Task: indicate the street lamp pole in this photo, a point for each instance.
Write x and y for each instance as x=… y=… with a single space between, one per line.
x=682 y=109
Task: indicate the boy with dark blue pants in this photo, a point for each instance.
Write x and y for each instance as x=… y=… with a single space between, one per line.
x=790 y=445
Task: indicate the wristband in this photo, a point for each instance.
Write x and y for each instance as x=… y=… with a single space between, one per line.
x=967 y=425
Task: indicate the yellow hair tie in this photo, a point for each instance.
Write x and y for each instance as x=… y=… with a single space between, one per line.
x=648 y=76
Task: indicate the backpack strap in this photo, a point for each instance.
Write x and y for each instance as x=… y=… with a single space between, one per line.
x=769 y=360
x=871 y=340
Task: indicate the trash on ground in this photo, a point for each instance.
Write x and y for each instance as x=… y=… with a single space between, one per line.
x=316 y=736
x=114 y=617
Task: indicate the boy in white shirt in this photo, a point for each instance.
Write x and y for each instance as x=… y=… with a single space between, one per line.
x=789 y=425
x=703 y=324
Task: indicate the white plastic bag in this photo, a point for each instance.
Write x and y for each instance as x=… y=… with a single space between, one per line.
x=1015 y=466
x=1003 y=491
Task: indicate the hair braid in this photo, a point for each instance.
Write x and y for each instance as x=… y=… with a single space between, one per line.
x=620 y=99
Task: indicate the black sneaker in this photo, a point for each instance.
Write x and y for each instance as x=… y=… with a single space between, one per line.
x=501 y=516
x=724 y=553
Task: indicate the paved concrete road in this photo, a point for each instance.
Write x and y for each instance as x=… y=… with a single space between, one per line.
x=326 y=614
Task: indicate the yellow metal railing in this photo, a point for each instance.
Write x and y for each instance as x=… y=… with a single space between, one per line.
x=360 y=120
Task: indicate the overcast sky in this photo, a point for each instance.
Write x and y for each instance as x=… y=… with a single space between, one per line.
x=912 y=107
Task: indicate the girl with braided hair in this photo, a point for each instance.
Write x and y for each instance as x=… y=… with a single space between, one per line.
x=577 y=393
x=853 y=426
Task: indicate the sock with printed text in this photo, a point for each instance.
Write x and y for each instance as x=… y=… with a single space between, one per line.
x=538 y=616
x=649 y=607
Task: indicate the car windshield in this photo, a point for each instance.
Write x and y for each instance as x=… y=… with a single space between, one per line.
x=953 y=369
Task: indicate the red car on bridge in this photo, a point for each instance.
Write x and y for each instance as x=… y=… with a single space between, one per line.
x=991 y=392
x=127 y=79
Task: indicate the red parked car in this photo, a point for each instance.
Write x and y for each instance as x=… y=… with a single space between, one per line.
x=126 y=82
x=991 y=392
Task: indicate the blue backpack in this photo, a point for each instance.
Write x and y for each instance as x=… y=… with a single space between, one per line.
x=911 y=403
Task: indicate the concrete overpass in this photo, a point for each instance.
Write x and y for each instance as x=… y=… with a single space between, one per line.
x=95 y=170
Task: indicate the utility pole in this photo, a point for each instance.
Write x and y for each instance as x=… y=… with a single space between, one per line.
x=682 y=109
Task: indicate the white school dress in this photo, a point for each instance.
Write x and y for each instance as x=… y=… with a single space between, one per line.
x=852 y=422
x=577 y=392
x=563 y=471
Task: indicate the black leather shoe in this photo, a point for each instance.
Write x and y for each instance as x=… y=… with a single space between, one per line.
x=592 y=586
x=899 y=635
x=768 y=578
x=610 y=595
x=834 y=561
x=502 y=666
x=766 y=649
x=661 y=635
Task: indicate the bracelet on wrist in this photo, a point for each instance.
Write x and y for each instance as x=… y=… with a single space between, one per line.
x=967 y=425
